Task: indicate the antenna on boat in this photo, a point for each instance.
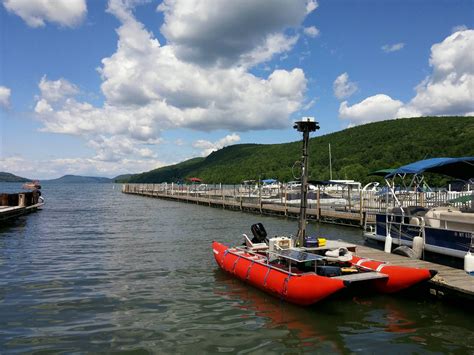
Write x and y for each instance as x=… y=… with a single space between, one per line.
x=330 y=163
x=306 y=125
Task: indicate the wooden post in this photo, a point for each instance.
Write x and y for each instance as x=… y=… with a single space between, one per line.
x=286 y=201
x=349 y=197
x=318 y=212
x=361 y=205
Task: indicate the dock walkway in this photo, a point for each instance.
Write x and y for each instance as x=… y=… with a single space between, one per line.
x=339 y=215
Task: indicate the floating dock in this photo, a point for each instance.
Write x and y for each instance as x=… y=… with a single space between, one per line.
x=16 y=204
x=351 y=215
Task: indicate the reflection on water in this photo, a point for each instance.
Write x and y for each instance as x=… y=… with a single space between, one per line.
x=100 y=271
x=353 y=324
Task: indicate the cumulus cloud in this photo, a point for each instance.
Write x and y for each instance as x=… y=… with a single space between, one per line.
x=343 y=87
x=459 y=28
x=209 y=147
x=311 y=5
x=375 y=108
x=224 y=33
x=57 y=90
x=311 y=31
x=35 y=13
x=5 y=96
x=449 y=90
x=388 y=48
x=117 y=148
x=149 y=88
x=195 y=80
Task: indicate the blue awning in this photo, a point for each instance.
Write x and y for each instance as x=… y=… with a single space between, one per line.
x=269 y=181
x=459 y=168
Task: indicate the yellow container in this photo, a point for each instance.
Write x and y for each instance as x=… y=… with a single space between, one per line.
x=321 y=242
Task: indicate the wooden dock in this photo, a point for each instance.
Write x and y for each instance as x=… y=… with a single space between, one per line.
x=340 y=215
x=17 y=204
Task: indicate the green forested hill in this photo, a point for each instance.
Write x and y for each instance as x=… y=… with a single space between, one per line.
x=7 y=177
x=355 y=152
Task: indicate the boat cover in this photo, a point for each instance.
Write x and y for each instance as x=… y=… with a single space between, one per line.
x=460 y=168
x=382 y=172
x=269 y=181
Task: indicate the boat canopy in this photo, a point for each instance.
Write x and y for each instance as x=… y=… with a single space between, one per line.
x=334 y=182
x=460 y=168
x=382 y=172
x=269 y=181
x=195 y=179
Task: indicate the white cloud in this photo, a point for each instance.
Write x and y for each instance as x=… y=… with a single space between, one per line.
x=311 y=31
x=209 y=147
x=117 y=148
x=459 y=28
x=375 y=108
x=342 y=87
x=5 y=94
x=55 y=91
x=388 y=48
x=224 y=33
x=449 y=90
x=35 y=13
x=149 y=87
x=311 y=5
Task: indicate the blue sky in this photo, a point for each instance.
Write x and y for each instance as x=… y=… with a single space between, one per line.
x=104 y=88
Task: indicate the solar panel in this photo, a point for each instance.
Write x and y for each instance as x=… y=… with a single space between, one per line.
x=299 y=256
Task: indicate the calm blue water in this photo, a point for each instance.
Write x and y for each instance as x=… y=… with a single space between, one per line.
x=100 y=271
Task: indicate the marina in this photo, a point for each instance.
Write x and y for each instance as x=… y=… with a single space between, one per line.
x=238 y=177
x=266 y=262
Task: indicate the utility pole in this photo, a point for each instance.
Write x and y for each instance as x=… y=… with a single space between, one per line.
x=306 y=125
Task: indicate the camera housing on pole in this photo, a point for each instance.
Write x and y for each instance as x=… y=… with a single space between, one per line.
x=305 y=125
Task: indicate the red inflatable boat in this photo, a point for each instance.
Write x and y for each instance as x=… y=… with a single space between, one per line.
x=299 y=288
x=303 y=278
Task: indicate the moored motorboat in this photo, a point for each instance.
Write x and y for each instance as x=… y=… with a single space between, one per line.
x=424 y=225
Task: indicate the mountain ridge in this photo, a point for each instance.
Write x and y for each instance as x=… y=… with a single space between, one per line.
x=356 y=151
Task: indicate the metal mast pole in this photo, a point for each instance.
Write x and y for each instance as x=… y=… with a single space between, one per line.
x=330 y=163
x=306 y=125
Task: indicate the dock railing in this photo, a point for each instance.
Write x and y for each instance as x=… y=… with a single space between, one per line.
x=354 y=207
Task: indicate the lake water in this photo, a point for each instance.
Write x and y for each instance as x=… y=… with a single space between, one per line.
x=97 y=270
